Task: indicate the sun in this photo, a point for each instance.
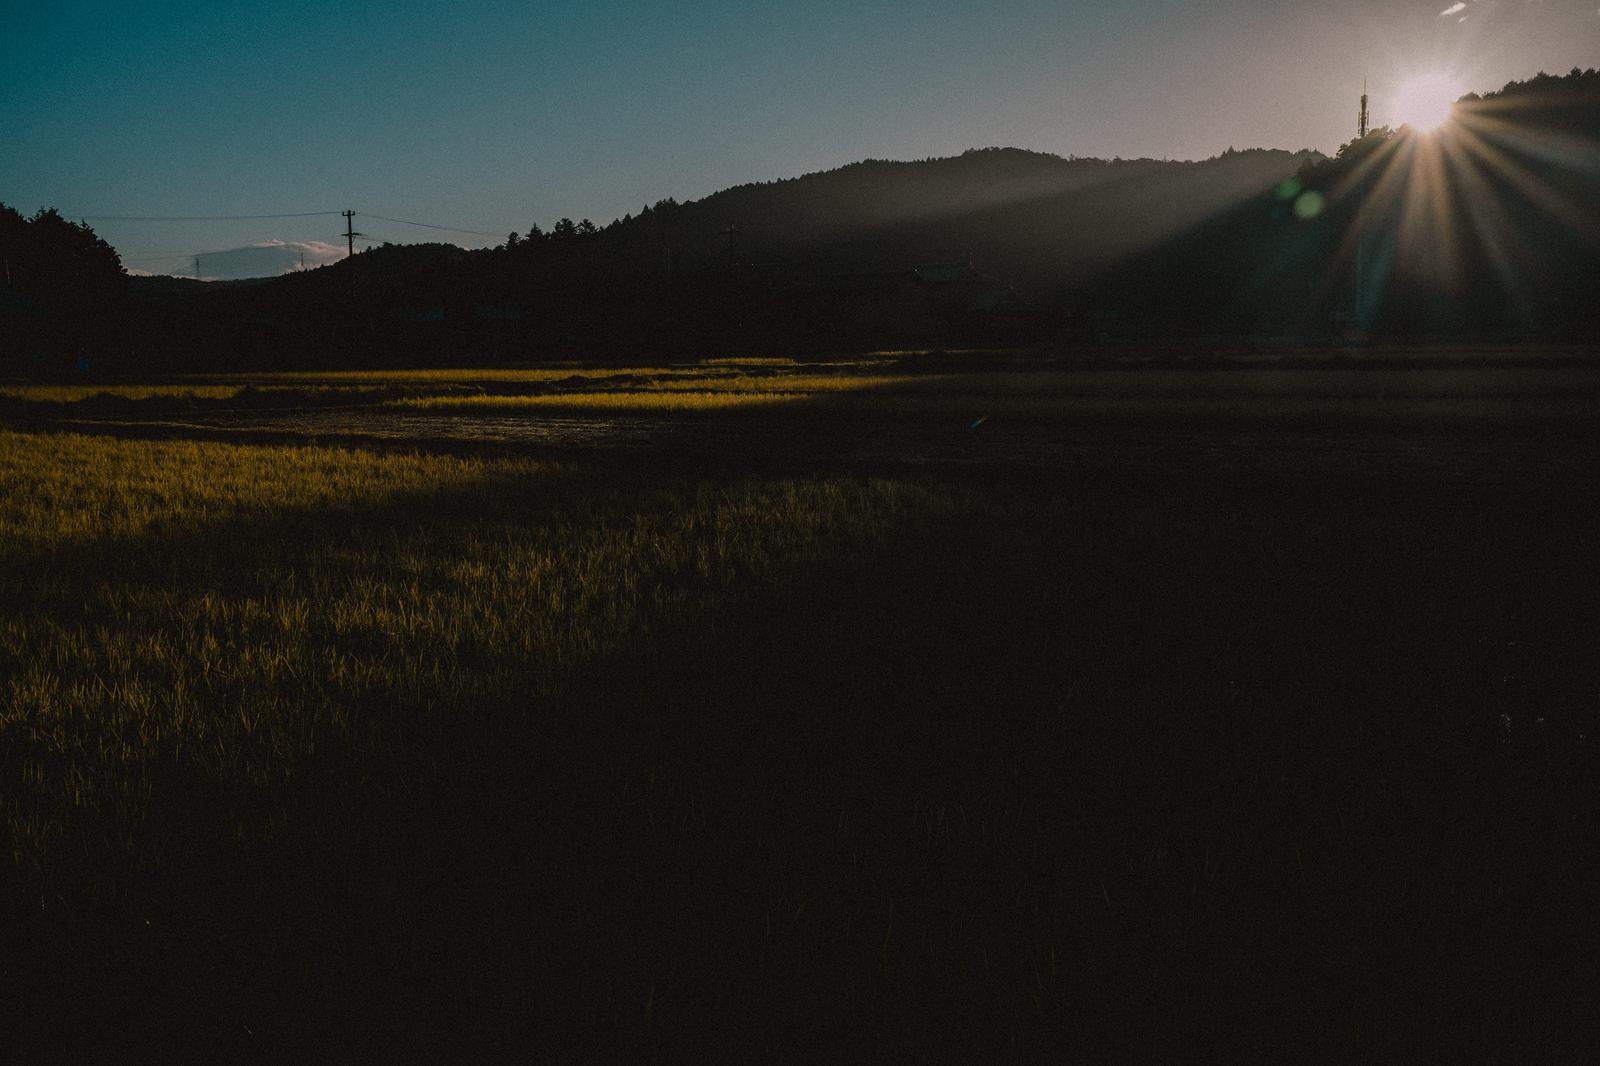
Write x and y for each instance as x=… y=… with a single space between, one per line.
x=1425 y=102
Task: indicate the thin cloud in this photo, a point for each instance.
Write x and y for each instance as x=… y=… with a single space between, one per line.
x=264 y=259
x=320 y=251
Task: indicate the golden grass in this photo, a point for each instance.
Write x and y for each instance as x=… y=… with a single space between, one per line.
x=69 y=489
x=705 y=394
x=720 y=385
x=607 y=402
x=448 y=376
x=1356 y=397
x=1443 y=395
x=204 y=612
x=786 y=383
x=713 y=373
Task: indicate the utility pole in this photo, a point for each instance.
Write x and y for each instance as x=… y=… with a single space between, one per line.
x=350 y=233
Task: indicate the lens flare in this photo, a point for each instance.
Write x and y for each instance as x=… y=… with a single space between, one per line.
x=1309 y=205
x=1425 y=103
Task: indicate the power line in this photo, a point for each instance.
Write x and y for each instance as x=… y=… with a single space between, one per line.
x=350 y=235
x=290 y=214
x=191 y=218
x=427 y=225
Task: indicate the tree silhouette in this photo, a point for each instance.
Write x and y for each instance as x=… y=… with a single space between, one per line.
x=59 y=277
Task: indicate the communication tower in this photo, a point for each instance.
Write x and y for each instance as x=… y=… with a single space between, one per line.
x=1359 y=296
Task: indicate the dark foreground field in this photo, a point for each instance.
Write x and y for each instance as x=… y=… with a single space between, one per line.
x=385 y=755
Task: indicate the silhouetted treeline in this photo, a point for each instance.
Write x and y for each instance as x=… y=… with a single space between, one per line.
x=983 y=248
x=1488 y=227
x=62 y=288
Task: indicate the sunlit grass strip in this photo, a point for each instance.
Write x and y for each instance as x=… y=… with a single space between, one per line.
x=717 y=373
x=1023 y=386
x=183 y=613
x=787 y=383
x=662 y=402
x=1267 y=397
x=62 y=489
x=535 y=375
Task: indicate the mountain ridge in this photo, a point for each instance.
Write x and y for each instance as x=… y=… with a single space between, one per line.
x=993 y=246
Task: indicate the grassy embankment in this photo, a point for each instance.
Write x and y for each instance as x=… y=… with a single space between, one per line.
x=307 y=749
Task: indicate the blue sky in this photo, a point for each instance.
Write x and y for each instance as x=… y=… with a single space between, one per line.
x=496 y=115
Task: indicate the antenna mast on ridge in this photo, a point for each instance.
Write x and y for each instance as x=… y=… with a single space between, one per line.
x=1359 y=297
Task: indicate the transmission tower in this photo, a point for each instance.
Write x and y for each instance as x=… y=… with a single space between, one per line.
x=1359 y=296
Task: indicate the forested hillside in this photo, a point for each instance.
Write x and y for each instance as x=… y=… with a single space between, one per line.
x=1486 y=227
x=987 y=247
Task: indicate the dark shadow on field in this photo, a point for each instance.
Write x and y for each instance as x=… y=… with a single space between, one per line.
x=1125 y=775
x=1112 y=766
